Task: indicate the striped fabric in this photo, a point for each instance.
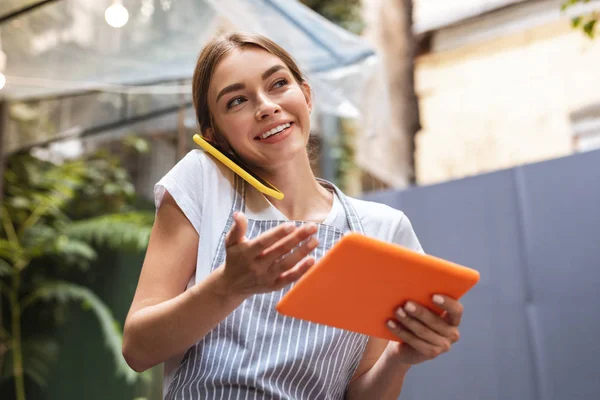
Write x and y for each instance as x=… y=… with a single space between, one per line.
x=257 y=353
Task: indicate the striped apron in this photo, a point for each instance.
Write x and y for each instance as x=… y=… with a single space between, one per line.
x=257 y=353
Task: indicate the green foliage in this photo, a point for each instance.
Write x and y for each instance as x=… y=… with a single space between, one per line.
x=344 y=154
x=114 y=231
x=587 y=23
x=345 y=13
x=63 y=292
x=38 y=356
x=54 y=216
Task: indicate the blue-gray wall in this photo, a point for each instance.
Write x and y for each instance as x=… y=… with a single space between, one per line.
x=532 y=325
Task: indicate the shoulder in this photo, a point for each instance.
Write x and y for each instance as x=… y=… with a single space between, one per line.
x=196 y=182
x=373 y=213
x=198 y=159
x=200 y=167
x=386 y=223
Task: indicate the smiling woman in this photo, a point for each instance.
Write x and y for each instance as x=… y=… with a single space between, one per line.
x=221 y=254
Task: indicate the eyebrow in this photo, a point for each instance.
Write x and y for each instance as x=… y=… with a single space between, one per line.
x=239 y=86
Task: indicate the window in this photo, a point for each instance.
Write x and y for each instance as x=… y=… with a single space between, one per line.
x=586 y=128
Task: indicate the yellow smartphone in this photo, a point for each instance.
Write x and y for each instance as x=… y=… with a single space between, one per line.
x=237 y=166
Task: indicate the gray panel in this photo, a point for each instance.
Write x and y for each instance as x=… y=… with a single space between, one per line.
x=531 y=326
x=566 y=334
x=491 y=361
x=561 y=215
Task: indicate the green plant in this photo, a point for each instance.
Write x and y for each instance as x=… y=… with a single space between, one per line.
x=345 y=13
x=587 y=23
x=54 y=217
x=344 y=153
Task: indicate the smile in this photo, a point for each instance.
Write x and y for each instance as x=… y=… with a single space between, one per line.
x=275 y=131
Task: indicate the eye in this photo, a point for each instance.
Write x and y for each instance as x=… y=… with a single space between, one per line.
x=280 y=83
x=235 y=102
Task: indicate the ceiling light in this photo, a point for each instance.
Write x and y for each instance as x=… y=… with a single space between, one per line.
x=116 y=15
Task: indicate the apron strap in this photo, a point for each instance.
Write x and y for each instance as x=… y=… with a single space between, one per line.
x=350 y=211
x=239 y=203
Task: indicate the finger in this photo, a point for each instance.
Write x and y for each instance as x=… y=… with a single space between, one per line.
x=287 y=244
x=269 y=238
x=422 y=331
x=428 y=319
x=454 y=309
x=294 y=258
x=423 y=347
x=237 y=231
x=294 y=273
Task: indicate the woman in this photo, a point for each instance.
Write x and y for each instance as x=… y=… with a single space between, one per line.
x=220 y=254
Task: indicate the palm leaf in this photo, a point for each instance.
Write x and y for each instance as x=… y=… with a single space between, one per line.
x=38 y=354
x=75 y=252
x=5 y=268
x=117 y=231
x=65 y=291
x=10 y=251
x=40 y=240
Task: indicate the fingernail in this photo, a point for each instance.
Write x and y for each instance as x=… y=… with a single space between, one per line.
x=410 y=307
x=401 y=312
x=391 y=324
x=438 y=299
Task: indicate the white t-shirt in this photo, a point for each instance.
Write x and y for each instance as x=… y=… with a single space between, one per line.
x=203 y=188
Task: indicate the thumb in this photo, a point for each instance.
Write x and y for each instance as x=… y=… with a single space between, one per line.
x=237 y=231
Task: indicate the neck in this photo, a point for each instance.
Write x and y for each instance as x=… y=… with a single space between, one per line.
x=304 y=198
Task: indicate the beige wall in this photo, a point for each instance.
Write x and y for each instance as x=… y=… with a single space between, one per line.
x=503 y=102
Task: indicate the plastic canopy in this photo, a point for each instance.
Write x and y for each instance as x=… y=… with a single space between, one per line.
x=68 y=46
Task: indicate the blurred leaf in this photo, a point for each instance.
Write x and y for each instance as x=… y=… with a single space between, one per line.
x=345 y=13
x=588 y=28
x=575 y=22
x=65 y=291
x=5 y=268
x=38 y=355
x=111 y=189
x=9 y=251
x=76 y=252
x=136 y=143
x=20 y=202
x=40 y=240
x=117 y=231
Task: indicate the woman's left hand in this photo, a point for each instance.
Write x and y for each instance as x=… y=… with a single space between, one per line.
x=425 y=335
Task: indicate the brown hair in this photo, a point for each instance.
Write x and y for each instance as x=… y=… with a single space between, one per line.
x=214 y=52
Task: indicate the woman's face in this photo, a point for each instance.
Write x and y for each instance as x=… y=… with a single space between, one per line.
x=259 y=108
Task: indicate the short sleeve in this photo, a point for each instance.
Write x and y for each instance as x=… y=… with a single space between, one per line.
x=405 y=235
x=185 y=184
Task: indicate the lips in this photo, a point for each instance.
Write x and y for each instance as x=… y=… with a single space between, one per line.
x=273 y=130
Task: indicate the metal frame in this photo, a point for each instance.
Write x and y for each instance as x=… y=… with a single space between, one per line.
x=24 y=10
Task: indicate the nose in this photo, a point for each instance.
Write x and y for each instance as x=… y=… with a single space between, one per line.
x=266 y=107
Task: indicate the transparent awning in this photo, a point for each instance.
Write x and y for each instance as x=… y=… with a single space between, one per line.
x=67 y=46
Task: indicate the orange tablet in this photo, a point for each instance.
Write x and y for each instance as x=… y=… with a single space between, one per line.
x=360 y=282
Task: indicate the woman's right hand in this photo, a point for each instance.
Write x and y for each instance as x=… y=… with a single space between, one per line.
x=266 y=263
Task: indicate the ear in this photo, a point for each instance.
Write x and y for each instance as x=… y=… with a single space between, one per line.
x=209 y=134
x=307 y=95
x=222 y=144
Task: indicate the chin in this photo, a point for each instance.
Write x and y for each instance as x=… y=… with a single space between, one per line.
x=287 y=154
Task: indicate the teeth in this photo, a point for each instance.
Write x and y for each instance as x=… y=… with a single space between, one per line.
x=274 y=131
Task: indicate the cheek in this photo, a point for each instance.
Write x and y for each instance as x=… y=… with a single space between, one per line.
x=237 y=126
x=295 y=102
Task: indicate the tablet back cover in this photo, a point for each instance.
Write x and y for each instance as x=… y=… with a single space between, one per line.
x=360 y=282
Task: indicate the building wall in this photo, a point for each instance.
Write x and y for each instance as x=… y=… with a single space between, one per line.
x=503 y=101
